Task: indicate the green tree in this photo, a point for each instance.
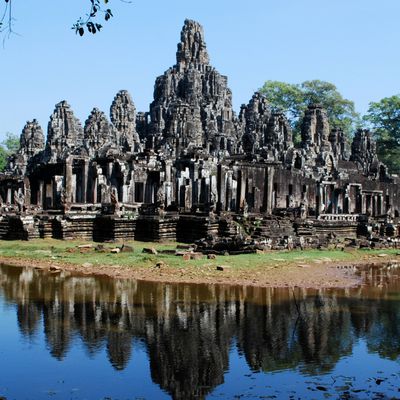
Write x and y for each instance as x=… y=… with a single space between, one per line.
x=9 y=146
x=383 y=117
x=341 y=111
x=294 y=99
x=286 y=97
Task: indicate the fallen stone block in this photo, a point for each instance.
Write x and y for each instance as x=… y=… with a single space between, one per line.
x=184 y=247
x=126 y=249
x=160 y=264
x=223 y=267
x=168 y=251
x=85 y=246
x=196 y=256
x=150 y=250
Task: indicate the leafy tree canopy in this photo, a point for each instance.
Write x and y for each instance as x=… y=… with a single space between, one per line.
x=383 y=117
x=9 y=146
x=294 y=99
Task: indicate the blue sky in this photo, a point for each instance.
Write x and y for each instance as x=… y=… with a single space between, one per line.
x=351 y=43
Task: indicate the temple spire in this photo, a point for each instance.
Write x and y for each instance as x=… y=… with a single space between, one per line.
x=192 y=48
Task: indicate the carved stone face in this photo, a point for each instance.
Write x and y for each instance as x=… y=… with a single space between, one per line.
x=32 y=139
x=329 y=164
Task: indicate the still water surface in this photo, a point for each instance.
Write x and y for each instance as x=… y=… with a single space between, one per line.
x=76 y=337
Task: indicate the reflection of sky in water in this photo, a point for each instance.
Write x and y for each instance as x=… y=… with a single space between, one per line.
x=355 y=372
x=124 y=340
x=29 y=371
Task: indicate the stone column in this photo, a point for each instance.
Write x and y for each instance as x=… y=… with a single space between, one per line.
x=168 y=193
x=242 y=194
x=41 y=194
x=68 y=181
x=168 y=174
x=109 y=170
x=188 y=196
x=339 y=202
x=85 y=172
x=270 y=188
x=380 y=203
x=320 y=206
x=9 y=196
x=27 y=192
x=95 y=185
x=234 y=195
x=214 y=189
x=348 y=197
x=221 y=188
x=363 y=203
x=228 y=190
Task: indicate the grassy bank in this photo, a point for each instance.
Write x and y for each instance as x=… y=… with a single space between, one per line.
x=58 y=251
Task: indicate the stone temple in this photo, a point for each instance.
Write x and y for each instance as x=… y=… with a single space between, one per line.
x=190 y=168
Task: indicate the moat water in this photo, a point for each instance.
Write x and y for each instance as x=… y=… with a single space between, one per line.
x=64 y=336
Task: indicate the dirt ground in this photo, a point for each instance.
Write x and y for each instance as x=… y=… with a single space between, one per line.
x=315 y=274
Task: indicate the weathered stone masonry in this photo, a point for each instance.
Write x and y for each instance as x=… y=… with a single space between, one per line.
x=190 y=167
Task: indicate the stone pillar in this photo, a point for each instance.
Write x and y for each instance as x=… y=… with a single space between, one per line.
x=228 y=190
x=221 y=188
x=188 y=196
x=168 y=193
x=68 y=181
x=348 y=198
x=242 y=194
x=95 y=185
x=9 y=196
x=41 y=194
x=234 y=195
x=320 y=206
x=339 y=202
x=85 y=174
x=27 y=192
x=363 y=203
x=380 y=203
x=109 y=170
x=168 y=171
x=270 y=188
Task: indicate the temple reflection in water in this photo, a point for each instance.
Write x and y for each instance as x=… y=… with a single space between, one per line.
x=188 y=331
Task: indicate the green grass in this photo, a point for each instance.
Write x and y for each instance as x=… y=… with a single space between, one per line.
x=67 y=251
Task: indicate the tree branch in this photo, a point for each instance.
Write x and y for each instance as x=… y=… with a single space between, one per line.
x=6 y=21
x=90 y=23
